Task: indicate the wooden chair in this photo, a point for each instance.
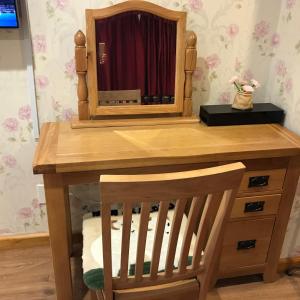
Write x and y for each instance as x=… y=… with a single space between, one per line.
x=184 y=249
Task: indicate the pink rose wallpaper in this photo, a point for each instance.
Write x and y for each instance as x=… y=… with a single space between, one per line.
x=213 y=61
x=39 y=43
x=25 y=112
x=243 y=38
x=233 y=30
x=261 y=29
x=11 y=124
x=9 y=161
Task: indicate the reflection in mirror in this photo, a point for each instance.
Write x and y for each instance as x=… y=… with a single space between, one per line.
x=136 y=59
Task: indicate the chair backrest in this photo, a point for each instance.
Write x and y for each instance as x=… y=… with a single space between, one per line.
x=211 y=192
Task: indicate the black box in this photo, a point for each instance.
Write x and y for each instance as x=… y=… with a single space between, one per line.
x=262 y=113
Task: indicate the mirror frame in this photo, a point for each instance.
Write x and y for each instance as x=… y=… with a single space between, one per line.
x=96 y=14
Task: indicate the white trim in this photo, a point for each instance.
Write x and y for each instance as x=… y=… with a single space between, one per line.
x=28 y=55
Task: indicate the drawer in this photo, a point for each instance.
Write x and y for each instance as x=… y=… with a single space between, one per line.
x=262 y=180
x=246 y=243
x=255 y=206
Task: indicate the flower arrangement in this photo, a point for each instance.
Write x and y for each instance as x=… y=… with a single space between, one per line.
x=244 y=86
x=243 y=98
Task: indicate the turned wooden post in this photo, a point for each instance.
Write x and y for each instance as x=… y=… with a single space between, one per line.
x=190 y=66
x=81 y=70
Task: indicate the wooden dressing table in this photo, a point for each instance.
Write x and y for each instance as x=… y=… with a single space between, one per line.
x=256 y=231
x=158 y=133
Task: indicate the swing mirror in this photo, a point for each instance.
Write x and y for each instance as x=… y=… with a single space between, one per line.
x=136 y=60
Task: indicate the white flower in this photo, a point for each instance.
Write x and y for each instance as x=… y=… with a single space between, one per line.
x=248 y=88
x=243 y=82
x=233 y=79
x=255 y=83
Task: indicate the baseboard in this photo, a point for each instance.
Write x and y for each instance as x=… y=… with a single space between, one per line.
x=42 y=239
x=31 y=240
x=24 y=241
x=286 y=263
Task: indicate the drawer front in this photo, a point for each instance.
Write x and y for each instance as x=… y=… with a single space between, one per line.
x=255 y=206
x=246 y=243
x=262 y=180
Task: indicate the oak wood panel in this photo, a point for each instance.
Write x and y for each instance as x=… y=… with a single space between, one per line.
x=241 y=271
x=270 y=206
x=266 y=163
x=143 y=146
x=81 y=70
x=142 y=238
x=59 y=231
x=176 y=291
x=256 y=229
x=127 y=218
x=275 y=181
x=24 y=240
x=158 y=239
x=45 y=152
x=175 y=228
x=175 y=185
x=78 y=124
x=282 y=218
x=190 y=66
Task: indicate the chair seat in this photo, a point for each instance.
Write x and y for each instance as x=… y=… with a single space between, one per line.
x=92 y=246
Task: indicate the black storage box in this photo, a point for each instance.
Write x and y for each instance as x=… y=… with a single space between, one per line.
x=262 y=113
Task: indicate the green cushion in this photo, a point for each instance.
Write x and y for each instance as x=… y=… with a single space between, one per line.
x=94 y=279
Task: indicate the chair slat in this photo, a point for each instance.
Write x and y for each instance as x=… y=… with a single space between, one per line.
x=159 y=233
x=142 y=237
x=127 y=216
x=189 y=231
x=203 y=229
x=106 y=245
x=216 y=199
x=217 y=228
x=213 y=248
x=176 y=223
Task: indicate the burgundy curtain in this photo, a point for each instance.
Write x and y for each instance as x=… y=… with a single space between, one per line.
x=160 y=54
x=141 y=53
x=124 y=66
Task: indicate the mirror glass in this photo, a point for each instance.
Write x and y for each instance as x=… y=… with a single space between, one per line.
x=136 y=59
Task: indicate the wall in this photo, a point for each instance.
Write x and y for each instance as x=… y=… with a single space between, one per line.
x=283 y=90
x=19 y=208
x=245 y=37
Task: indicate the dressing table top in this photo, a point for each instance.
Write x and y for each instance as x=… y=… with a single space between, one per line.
x=63 y=149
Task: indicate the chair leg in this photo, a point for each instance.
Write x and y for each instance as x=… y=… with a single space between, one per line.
x=93 y=295
x=99 y=295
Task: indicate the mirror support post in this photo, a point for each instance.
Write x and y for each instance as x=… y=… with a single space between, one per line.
x=190 y=66
x=81 y=70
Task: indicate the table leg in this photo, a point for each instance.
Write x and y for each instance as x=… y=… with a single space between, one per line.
x=68 y=220
x=286 y=203
x=59 y=231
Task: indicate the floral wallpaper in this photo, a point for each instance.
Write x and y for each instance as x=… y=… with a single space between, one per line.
x=248 y=38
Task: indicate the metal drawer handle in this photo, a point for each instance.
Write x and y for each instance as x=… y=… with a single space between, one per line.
x=245 y=245
x=254 y=206
x=258 y=181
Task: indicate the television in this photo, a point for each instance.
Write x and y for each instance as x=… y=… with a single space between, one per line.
x=8 y=14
